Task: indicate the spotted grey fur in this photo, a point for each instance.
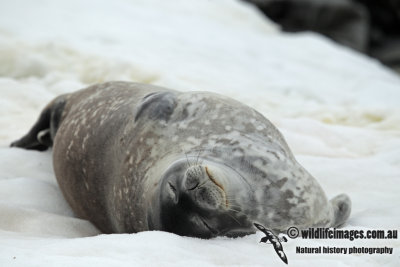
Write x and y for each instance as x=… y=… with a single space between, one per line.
x=132 y=157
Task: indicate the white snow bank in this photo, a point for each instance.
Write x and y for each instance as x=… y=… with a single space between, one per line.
x=338 y=110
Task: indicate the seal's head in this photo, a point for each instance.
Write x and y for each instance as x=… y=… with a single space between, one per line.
x=195 y=199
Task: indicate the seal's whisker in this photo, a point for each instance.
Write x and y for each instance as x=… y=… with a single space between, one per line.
x=230 y=208
x=227 y=165
x=198 y=155
x=243 y=201
x=232 y=200
x=206 y=181
x=233 y=206
x=235 y=210
x=187 y=159
x=234 y=219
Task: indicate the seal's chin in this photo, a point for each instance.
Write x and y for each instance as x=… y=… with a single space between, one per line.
x=193 y=201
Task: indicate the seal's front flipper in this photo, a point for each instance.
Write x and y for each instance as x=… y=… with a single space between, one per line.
x=41 y=135
x=31 y=140
x=341 y=205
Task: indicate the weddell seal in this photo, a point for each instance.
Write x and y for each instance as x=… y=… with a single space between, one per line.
x=133 y=157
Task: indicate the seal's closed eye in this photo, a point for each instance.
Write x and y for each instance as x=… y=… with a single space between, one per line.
x=159 y=105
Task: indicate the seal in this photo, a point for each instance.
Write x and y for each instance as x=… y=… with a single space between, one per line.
x=133 y=157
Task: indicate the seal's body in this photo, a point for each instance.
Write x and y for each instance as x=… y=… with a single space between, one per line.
x=132 y=157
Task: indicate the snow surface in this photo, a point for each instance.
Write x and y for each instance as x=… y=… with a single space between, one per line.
x=338 y=110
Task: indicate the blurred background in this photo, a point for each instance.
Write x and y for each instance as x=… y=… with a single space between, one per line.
x=369 y=26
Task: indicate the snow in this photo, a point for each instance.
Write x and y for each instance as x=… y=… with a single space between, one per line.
x=338 y=110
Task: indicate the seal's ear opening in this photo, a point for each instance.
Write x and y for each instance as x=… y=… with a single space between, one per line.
x=157 y=105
